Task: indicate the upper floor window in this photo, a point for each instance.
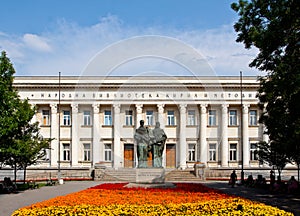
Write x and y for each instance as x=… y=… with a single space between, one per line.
x=192 y=152
x=46 y=117
x=253 y=117
x=212 y=117
x=87 y=152
x=191 y=117
x=149 y=117
x=107 y=117
x=171 y=117
x=86 y=118
x=128 y=118
x=232 y=117
x=66 y=118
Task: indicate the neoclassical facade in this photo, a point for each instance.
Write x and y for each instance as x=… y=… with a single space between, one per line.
x=92 y=120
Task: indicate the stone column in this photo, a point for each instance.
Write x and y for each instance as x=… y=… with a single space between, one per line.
x=246 y=148
x=160 y=109
x=224 y=140
x=75 y=131
x=97 y=149
x=118 y=157
x=203 y=125
x=139 y=117
x=54 y=135
x=182 y=138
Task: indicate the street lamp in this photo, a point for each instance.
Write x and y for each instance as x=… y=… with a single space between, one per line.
x=242 y=127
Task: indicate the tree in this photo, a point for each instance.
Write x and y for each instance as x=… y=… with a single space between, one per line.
x=273 y=26
x=20 y=142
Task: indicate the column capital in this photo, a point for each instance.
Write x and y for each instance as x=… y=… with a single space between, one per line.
x=160 y=108
x=96 y=107
x=246 y=108
x=74 y=108
x=139 y=108
x=225 y=108
x=117 y=108
x=53 y=108
x=182 y=108
x=203 y=108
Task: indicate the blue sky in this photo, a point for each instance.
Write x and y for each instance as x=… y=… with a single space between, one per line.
x=42 y=37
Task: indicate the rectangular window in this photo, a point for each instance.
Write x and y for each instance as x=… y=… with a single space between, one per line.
x=212 y=117
x=66 y=118
x=171 y=118
x=128 y=118
x=149 y=117
x=86 y=118
x=253 y=153
x=212 y=152
x=107 y=152
x=191 y=117
x=232 y=152
x=192 y=152
x=46 y=117
x=107 y=117
x=253 y=117
x=232 y=117
x=87 y=152
x=66 y=152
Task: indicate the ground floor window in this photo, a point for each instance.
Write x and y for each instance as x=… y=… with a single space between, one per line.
x=66 y=152
x=192 y=152
x=212 y=152
x=86 y=152
x=233 y=152
x=107 y=152
x=253 y=151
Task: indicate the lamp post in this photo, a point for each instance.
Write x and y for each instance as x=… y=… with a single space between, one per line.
x=58 y=162
x=242 y=128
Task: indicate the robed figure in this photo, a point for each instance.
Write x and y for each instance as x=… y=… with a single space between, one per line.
x=158 y=140
x=142 y=139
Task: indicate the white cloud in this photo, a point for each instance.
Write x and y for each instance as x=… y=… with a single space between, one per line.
x=36 y=42
x=69 y=48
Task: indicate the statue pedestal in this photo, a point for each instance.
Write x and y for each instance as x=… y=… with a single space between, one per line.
x=150 y=175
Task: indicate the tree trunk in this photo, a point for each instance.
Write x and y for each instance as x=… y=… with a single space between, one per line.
x=15 y=173
x=24 y=179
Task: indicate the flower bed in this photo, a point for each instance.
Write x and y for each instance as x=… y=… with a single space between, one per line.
x=115 y=199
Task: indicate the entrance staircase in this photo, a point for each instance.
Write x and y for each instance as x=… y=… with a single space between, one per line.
x=129 y=175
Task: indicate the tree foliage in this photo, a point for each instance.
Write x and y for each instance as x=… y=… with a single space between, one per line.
x=21 y=144
x=273 y=26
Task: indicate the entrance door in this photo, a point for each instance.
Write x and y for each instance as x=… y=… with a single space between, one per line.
x=128 y=155
x=170 y=155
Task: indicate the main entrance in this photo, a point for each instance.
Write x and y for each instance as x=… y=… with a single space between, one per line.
x=170 y=155
x=128 y=155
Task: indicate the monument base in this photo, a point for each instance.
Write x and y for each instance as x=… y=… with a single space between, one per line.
x=150 y=175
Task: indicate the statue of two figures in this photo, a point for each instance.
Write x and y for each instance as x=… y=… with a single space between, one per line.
x=150 y=141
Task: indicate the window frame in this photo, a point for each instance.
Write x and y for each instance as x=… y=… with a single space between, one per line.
x=66 y=152
x=171 y=118
x=46 y=117
x=212 y=152
x=233 y=118
x=66 y=118
x=128 y=117
x=87 y=152
x=107 y=118
x=191 y=117
x=253 y=118
x=212 y=117
x=233 y=152
x=253 y=153
x=150 y=117
x=191 y=152
x=86 y=118
x=107 y=152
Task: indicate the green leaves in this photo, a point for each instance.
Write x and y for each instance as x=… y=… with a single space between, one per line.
x=273 y=26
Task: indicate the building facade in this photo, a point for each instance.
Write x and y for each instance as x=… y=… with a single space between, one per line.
x=92 y=120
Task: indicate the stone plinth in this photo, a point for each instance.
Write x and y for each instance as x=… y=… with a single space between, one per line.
x=150 y=175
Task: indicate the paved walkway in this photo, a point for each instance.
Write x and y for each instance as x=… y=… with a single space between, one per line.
x=286 y=202
x=11 y=202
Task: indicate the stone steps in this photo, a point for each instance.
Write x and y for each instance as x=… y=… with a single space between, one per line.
x=130 y=175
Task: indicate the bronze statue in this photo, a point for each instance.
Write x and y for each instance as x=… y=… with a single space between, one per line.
x=158 y=140
x=142 y=139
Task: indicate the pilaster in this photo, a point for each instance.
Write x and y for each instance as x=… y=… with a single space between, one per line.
x=97 y=149
x=203 y=125
x=139 y=117
x=246 y=148
x=224 y=132
x=118 y=159
x=182 y=138
x=54 y=135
